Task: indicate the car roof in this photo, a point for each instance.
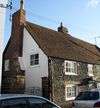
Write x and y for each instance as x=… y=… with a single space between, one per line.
x=12 y=96
x=5 y=96
x=94 y=90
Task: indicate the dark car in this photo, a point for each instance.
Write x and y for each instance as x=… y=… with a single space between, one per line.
x=87 y=99
x=25 y=101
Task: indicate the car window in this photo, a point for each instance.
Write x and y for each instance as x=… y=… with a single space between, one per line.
x=14 y=103
x=40 y=103
x=89 y=95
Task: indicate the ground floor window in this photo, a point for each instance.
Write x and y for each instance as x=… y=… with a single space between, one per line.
x=70 y=92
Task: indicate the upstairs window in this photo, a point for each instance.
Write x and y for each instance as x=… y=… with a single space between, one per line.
x=70 y=68
x=6 y=65
x=90 y=70
x=34 y=59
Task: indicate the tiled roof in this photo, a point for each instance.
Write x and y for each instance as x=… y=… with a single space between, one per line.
x=62 y=45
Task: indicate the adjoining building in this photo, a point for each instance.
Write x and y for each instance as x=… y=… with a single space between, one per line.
x=38 y=60
x=2 y=23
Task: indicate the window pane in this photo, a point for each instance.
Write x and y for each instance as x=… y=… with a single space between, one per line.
x=32 y=57
x=36 y=56
x=66 y=63
x=75 y=67
x=88 y=95
x=36 y=103
x=36 y=62
x=31 y=62
x=14 y=103
x=67 y=70
x=40 y=103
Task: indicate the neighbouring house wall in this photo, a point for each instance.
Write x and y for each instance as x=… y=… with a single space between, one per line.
x=33 y=74
x=2 y=23
x=60 y=80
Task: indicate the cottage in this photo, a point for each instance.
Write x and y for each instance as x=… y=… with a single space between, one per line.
x=41 y=61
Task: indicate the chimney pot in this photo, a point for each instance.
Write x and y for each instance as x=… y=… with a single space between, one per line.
x=62 y=28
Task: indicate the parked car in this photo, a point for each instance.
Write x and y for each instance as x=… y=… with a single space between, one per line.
x=87 y=99
x=25 y=101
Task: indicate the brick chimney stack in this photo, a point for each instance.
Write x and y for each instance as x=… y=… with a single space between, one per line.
x=14 y=49
x=18 y=18
x=12 y=53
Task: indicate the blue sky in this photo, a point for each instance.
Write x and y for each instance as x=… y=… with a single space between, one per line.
x=81 y=17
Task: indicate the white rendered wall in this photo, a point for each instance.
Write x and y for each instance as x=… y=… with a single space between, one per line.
x=2 y=23
x=33 y=74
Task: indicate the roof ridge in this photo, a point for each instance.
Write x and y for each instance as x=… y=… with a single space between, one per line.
x=41 y=26
x=83 y=46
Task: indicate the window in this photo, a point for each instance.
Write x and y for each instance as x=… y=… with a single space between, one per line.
x=14 y=103
x=90 y=70
x=88 y=95
x=70 y=92
x=70 y=68
x=6 y=65
x=34 y=59
x=40 y=103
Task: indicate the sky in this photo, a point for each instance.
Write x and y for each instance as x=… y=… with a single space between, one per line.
x=81 y=17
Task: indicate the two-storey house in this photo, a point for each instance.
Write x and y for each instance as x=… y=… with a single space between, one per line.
x=42 y=61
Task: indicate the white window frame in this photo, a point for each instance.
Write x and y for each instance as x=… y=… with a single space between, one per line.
x=6 y=65
x=34 y=60
x=70 y=67
x=98 y=86
x=90 y=70
x=66 y=92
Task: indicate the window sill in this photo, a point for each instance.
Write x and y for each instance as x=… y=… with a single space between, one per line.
x=67 y=73
x=34 y=66
x=71 y=98
x=91 y=75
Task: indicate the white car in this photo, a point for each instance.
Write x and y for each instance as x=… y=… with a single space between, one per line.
x=25 y=101
x=87 y=99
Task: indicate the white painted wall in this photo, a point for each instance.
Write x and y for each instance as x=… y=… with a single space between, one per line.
x=33 y=74
x=2 y=23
